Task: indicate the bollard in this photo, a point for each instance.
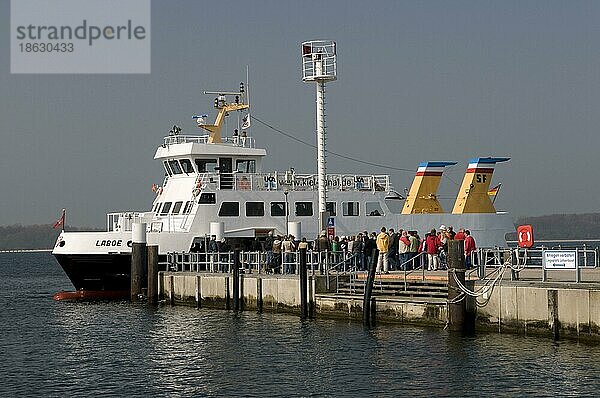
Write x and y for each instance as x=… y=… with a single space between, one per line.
x=138 y=259
x=303 y=284
x=152 y=274
x=369 y=289
x=456 y=271
x=236 y=280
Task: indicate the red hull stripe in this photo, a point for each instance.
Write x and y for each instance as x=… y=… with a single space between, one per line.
x=429 y=173
x=480 y=170
x=91 y=295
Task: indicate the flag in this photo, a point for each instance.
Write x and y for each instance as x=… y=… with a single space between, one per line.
x=494 y=191
x=246 y=122
x=61 y=221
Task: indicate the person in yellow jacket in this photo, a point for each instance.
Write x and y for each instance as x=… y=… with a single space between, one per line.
x=383 y=245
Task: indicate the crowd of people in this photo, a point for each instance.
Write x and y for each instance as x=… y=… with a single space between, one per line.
x=397 y=250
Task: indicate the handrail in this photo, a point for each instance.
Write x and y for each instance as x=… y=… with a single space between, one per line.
x=421 y=266
x=335 y=266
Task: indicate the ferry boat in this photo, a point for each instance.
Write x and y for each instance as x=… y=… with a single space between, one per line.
x=216 y=184
x=213 y=179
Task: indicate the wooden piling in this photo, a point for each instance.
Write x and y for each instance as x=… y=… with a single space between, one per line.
x=303 y=285
x=369 y=289
x=138 y=259
x=457 y=307
x=259 y=295
x=152 y=274
x=236 y=280
x=553 y=321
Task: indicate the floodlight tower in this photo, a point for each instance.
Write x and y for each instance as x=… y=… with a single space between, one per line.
x=319 y=64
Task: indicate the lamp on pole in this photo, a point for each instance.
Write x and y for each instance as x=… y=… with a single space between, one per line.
x=287 y=212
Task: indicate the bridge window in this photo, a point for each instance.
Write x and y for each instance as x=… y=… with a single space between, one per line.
x=157 y=207
x=350 y=209
x=277 y=209
x=176 y=207
x=188 y=207
x=165 y=209
x=167 y=169
x=206 y=165
x=207 y=198
x=175 y=168
x=374 y=209
x=330 y=207
x=229 y=209
x=186 y=165
x=245 y=166
x=304 y=209
x=255 y=209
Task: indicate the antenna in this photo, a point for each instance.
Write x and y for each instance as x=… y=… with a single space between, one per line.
x=319 y=64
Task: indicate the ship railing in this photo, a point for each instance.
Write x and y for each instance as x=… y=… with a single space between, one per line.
x=123 y=221
x=535 y=264
x=278 y=181
x=245 y=142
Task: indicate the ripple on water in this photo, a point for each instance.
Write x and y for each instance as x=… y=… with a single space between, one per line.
x=53 y=348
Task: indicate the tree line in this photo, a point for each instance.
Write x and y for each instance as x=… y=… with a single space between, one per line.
x=42 y=236
x=563 y=226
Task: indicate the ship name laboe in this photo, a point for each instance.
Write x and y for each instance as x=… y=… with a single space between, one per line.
x=109 y=242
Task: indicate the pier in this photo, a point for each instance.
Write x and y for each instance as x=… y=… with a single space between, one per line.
x=500 y=294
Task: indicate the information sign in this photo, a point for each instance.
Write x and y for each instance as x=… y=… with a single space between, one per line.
x=560 y=259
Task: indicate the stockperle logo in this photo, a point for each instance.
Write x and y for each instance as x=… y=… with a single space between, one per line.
x=80 y=36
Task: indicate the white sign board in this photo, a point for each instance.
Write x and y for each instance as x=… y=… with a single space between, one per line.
x=560 y=259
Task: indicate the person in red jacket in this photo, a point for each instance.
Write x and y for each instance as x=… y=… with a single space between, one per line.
x=433 y=244
x=469 y=248
x=460 y=235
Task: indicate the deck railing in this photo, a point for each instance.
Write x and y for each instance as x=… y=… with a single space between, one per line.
x=245 y=142
x=285 y=181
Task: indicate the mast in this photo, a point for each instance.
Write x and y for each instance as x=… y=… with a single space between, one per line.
x=319 y=65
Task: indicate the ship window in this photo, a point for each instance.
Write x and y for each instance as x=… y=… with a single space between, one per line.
x=167 y=169
x=186 y=165
x=175 y=167
x=229 y=209
x=245 y=166
x=350 y=208
x=165 y=209
x=206 y=165
x=176 y=207
x=188 y=207
x=207 y=198
x=255 y=209
x=330 y=208
x=374 y=209
x=304 y=209
x=277 y=209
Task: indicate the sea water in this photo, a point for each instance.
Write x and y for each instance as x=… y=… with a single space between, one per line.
x=50 y=348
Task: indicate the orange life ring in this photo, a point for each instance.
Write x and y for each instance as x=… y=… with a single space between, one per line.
x=525 y=235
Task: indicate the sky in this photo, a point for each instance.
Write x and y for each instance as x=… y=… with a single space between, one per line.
x=417 y=81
